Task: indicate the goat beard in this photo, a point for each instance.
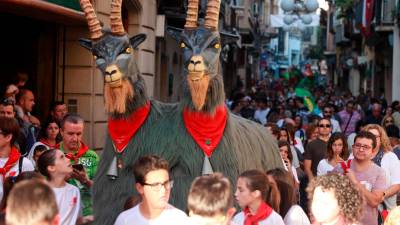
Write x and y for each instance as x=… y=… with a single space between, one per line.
x=198 y=91
x=115 y=98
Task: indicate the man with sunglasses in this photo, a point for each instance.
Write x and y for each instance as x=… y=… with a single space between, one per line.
x=366 y=176
x=154 y=186
x=316 y=150
x=328 y=113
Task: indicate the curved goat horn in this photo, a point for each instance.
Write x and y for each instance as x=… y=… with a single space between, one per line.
x=192 y=13
x=116 y=18
x=212 y=15
x=93 y=22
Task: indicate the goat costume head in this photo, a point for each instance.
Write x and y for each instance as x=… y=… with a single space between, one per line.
x=124 y=89
x=201 y=47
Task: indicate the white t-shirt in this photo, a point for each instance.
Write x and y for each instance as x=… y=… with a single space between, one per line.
x=296 y=216
x=299 y=145
x=69 y=203
x=170 y=215
x=391 y=164
x=26 y=166
x=261 y=115
x=324 y=167
x=335 y=126
x=273 y=219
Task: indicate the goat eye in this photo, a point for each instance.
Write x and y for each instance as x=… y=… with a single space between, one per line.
x=183 y=45
x=217 y=45
x=128 y=50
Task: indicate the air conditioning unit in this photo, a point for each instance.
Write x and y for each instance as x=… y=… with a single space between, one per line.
x=339 y=35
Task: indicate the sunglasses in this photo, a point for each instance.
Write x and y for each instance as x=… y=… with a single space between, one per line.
x=324 y=125
x=327 y=111
x=389 y=121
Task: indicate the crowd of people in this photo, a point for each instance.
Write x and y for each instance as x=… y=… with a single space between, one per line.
x=341 y=165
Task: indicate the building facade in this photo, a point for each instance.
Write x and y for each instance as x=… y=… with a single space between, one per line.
x=43 y=42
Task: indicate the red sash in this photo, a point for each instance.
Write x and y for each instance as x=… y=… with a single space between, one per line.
x=44 y=141
x=75 y=156
x=263 y=211
x=122 y=130
x=12 y=160
x=206 y=130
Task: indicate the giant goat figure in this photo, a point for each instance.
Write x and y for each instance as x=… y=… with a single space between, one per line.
x=209 y=137
x=131 y=113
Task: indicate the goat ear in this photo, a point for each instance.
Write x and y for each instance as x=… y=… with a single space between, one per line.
x=86 y=43
x=137 y=40
x=175 y=33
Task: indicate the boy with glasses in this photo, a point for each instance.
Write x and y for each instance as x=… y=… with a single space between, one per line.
x=154 y=186
x=316 y=150
x=366 y=176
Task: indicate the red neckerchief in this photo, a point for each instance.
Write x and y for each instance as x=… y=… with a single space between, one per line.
x=12 y=160
x=263 y=211
x=122 y=130
x=44 y=141
x=75 y=156
x=206 y=130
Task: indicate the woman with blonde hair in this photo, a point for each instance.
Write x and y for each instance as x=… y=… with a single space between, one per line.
x=387 y=120
x=387 y=160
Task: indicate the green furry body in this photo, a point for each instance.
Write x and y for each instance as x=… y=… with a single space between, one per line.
x=110 y=195
x=245 y=145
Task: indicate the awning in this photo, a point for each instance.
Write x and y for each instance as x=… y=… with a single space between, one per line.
x=43 y=10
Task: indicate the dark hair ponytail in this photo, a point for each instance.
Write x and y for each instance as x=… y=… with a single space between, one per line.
x=258 y=180
x=47 y=158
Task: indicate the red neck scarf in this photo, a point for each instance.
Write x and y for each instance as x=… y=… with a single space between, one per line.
x=75 y=156
x=263 y=211
x=44 y=141
x=122 y=130
x=12 y=160
x=205 y=129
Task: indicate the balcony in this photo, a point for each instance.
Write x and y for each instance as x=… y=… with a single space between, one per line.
x=384 y=15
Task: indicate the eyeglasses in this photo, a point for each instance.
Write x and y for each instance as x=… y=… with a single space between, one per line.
x=157 y=186
x=359 y=146
x=324 y=125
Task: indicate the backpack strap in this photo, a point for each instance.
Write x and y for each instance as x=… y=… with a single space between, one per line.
x=20 y=162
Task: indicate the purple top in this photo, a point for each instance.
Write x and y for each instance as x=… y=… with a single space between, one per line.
x=344 y=117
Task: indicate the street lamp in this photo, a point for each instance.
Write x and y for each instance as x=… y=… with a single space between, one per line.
x=298 y=10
